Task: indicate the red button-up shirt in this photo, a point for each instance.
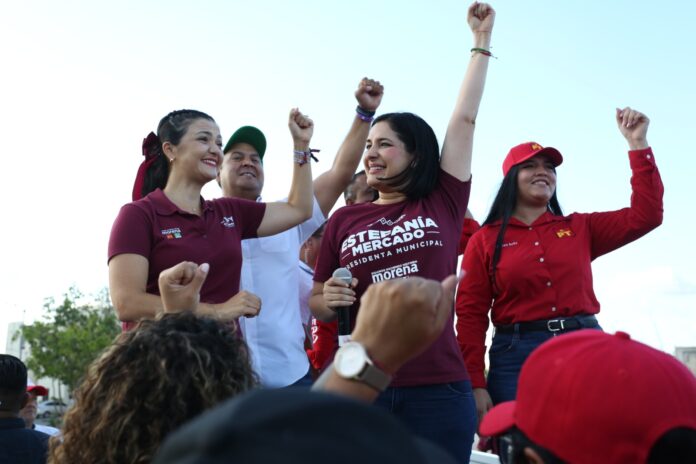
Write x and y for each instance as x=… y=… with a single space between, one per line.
x=545 y=269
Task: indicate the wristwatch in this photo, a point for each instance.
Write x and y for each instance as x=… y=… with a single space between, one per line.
x=353 y=363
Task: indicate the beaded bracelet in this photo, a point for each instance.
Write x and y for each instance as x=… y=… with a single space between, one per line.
x=484 y=52
x=364 y=115
x=303 y=157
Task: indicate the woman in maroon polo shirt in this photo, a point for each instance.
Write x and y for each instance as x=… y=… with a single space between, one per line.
x=531 y=266
x=170 y=222
x=413 y=229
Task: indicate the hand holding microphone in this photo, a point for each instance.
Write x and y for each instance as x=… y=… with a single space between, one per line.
x=340 y=296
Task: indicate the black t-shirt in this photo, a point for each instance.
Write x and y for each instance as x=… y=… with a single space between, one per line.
x=19 y=445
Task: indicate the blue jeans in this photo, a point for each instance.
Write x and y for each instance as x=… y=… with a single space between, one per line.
x=443 y=413
x=507 y=354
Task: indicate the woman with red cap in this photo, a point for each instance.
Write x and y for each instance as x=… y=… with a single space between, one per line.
x=530 y=265
x=169 y=222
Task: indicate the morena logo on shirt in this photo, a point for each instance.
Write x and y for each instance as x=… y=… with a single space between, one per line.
x=561 y=233
x=394 y=272
x=228 y=221
x=172 y=233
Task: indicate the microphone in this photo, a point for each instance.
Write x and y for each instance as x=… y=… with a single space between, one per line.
x=344 y=276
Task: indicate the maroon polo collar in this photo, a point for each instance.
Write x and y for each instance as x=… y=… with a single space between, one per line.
x=165 y=207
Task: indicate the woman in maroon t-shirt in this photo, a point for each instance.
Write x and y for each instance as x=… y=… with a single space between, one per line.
x=413 y=228
x=169 y=222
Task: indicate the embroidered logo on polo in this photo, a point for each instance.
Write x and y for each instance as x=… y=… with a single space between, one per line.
x=172 y=233
x=561 y=233
x=228 y=221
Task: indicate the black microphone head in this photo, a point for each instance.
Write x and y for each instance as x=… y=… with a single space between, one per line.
x=343 y=275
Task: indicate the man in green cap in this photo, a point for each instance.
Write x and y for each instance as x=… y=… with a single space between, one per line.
x=269 y=268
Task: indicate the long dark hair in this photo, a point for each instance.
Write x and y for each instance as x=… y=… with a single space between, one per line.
x=171 y=128
x=419 y=139
x=502 y=208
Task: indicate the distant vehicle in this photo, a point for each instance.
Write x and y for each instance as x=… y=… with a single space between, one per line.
x=48 y=408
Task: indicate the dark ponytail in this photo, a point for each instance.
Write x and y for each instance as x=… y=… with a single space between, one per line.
x=154 y=171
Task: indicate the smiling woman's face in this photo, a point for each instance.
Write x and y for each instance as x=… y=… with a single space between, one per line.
x=536 y=181
x=385 y=155
x=199 y=153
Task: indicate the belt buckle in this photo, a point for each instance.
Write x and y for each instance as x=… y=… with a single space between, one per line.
x=555 y=328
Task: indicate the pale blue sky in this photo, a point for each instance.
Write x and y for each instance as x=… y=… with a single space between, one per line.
x=84 y=82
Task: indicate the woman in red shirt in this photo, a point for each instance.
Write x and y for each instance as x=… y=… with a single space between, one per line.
x=530 y=266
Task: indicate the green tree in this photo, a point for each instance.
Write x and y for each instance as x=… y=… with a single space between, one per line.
x=71 y=336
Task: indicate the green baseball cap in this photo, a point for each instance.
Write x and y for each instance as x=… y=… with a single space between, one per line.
x=250 y=135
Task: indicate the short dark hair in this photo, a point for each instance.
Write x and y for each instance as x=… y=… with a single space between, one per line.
x=419 y=139
x=348 y=192
x=171 y=128
x=320 y=231
x=502 y=208
x=515 y=441
x=676 y=445
x=13 y=383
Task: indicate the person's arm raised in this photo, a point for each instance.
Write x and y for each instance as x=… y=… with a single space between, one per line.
x=459 y=139
x=331 y=184
x=633 y=125
x=281 y=216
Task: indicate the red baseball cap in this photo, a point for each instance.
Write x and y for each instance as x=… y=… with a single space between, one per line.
x=524 y=151
x=38 y=390
x=592 y=397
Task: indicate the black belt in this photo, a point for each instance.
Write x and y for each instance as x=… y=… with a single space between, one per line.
x=551 y=325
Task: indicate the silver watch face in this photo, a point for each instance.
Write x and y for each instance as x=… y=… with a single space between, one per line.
x=350 y=360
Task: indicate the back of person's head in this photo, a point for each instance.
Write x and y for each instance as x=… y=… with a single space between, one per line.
x=13 y=383
x=319 y=233
x=419 y=139
x=589 y=397
x=297 y=426
x=171 y=128
x=148 y=383
x=358 y=191
x=349 y=193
